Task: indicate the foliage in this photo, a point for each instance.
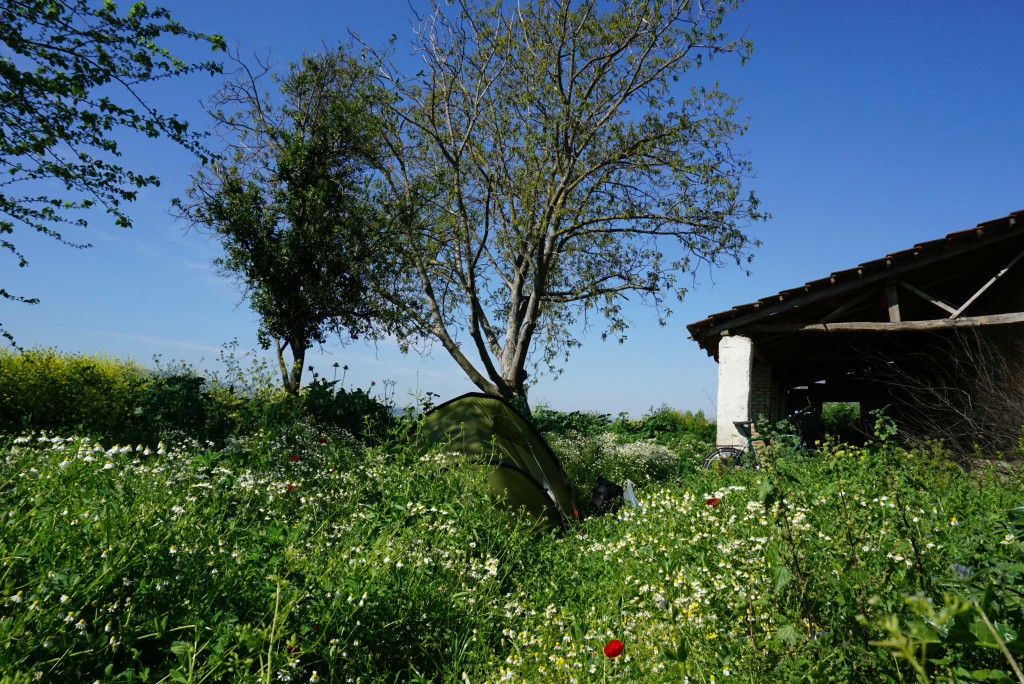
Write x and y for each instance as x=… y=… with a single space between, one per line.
x=292 y=557
x=668 y=426
x=71 y=77
x=290 y=203
x=43 y=389
x=663 y=424
x=528 y=206
x=553 y=422
x=355 y=411
x=662 y=446
x=644 y=462
x=842 y=420
x=124 y=403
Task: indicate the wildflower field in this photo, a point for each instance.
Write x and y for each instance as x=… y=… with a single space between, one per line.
x=305 y=553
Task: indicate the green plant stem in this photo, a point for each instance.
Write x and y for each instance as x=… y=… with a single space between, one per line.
x=999 y=640
x=273 y=628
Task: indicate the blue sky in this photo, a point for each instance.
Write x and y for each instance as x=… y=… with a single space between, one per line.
x=873 y=125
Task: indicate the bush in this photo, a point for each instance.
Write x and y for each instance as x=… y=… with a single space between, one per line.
x=43 y=389
x=550 y=421
x=607 y=455
x=352 y=410
x=841 y=419
x=667 y=426
x=121 y=402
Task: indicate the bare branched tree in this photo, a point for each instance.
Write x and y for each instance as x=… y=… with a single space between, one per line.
x=549 y=167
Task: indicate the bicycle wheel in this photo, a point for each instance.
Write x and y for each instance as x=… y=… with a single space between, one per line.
x=724 y=456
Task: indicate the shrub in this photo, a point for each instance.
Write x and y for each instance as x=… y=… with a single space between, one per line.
x=667 y=426
x=169 y=402
x=607 y=455
x=550 y=421
x=44 y=389
x=841 y=419
x=353 y=410
x=122 y=402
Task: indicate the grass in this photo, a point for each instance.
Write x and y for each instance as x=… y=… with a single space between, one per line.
x=331 y=561
x=302 y=553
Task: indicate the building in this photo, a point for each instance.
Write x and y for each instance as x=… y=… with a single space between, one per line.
x=879 y=334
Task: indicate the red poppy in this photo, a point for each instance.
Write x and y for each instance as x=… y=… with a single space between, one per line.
x=295 y=457
x=614 y=648
x=323 y=440
x=713 y=501
x=290 y=486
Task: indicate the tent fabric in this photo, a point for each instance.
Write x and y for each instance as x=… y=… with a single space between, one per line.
x=523 y=471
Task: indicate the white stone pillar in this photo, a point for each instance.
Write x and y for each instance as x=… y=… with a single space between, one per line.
x=735 y=365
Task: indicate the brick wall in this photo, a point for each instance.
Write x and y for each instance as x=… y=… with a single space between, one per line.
x=767 y=398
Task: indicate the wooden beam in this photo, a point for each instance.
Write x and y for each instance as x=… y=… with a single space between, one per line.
x=928 y=298
x=892 y=300
x=904 y=326
x=846 y=307
x=826 y=292
x=987 y=285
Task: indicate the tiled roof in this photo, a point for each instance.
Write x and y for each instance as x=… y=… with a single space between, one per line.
x=706 y=331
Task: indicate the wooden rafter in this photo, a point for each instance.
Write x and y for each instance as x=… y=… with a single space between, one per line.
x=836 y=313
x=927 y=297
x=764 y=309
x=903 y=326
x=990 y=283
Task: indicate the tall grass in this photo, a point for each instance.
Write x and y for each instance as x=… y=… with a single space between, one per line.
x=199 y=566
x=302 y=554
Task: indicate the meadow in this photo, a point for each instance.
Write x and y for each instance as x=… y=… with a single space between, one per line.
x=245 y=536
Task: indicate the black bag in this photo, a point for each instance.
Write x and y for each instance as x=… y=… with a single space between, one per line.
x=607 y=497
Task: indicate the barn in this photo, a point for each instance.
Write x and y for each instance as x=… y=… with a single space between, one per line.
x=933 y=332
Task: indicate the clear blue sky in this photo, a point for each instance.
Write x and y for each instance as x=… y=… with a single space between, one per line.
x=873 y=125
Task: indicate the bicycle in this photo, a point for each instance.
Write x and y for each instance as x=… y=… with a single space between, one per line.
x=740 y=457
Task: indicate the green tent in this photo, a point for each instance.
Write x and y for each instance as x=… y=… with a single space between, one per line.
x=523 y=471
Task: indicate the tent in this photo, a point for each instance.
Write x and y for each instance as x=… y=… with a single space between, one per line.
x=523 y=471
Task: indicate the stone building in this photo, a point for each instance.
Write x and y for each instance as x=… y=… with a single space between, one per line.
x=864 y=333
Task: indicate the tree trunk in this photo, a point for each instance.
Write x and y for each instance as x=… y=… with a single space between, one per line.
x=291 y=380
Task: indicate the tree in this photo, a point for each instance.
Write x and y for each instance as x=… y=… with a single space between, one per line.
x=70 y=79
x=290 y=202
x=547 y=168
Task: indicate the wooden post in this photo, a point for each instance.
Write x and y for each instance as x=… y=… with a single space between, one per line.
x=893 y=299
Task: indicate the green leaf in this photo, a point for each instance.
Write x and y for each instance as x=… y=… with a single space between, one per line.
x=788 y=634
x=781 y=577
x=679 y=652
